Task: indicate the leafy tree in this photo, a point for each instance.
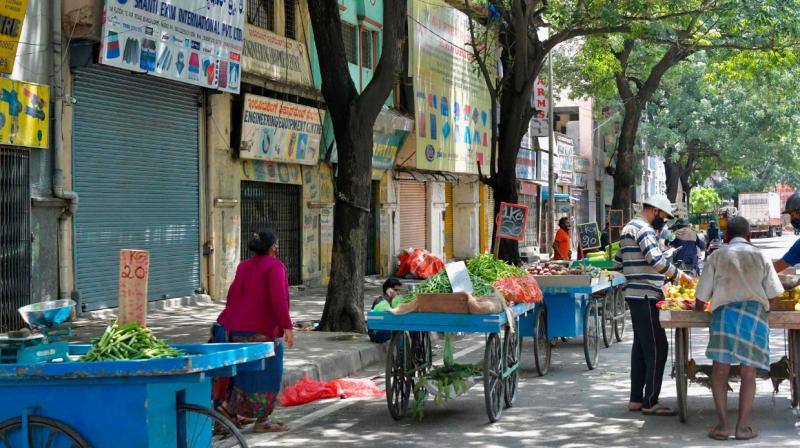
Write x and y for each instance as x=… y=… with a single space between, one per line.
x=704 y=199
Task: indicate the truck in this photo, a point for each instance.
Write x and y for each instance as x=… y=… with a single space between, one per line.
x=763 y=211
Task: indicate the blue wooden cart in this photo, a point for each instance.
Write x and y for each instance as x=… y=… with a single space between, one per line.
x=404 y=368
x=145 y=403
x=574 y=311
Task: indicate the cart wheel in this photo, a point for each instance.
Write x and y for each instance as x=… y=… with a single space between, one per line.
x=542 y=349
x=196 y=424
x=620 y=313
x=681 y=372
x=608 y=319
x=398 y=385
x=794 y=352
x=421 y=341
x=42 y=432
x=512 y=352
x=493 y=377
x=591 y=338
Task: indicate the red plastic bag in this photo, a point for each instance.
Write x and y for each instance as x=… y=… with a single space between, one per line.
x=519 y=289
x=307 y=390
x=419 y=263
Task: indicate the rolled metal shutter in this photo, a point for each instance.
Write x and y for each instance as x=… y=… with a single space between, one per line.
x=449 y=233
x=136 y=152
x=490 y=216
x=413 y=215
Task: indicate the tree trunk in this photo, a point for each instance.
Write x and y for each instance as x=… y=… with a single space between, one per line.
x=623 y=173
x=353 y=115
x=672 y=171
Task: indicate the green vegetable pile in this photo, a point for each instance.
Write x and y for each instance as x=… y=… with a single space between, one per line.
x=490 y=269
x=443 y=377
x=130 y=341
x=440 y=284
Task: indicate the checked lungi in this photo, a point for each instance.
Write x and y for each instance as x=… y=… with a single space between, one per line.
x=739 y=334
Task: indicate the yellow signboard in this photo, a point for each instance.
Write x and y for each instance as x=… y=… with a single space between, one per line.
x=24 y=114
x=12 y=14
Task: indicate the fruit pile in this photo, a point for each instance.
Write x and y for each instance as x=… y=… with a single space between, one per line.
x=679 y=298
x=791 y=295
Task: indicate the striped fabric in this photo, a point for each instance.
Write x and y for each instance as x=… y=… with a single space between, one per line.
x=739 y=334
x=643 y=263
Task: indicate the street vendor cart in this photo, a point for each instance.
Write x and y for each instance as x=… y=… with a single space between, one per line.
x=52 y=399
x=409 y=354
x=684 y=368
x=588 y=308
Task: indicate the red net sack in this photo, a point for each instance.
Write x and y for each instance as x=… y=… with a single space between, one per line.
x=308 y=390
x=420 y=263
x=519 y=289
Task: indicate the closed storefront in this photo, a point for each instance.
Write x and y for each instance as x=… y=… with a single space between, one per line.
x=136 y=168
x=413 y=215
x=276 y=206
x=15 y=236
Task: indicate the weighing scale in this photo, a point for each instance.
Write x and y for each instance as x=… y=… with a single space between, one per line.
x=47 y=342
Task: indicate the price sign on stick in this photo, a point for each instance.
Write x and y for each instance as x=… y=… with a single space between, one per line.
x=134 y=267
x=589 y=235
x=511 y=221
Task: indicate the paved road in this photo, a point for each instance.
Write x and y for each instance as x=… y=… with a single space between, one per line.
x=571 y=407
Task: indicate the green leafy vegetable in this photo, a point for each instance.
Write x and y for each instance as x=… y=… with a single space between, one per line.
x=126 y=342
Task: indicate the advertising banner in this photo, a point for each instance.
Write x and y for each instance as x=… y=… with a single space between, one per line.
x=13 y=13
x=24 y=114
x=451 y=101
x=273 y=172
x=526 y=164
x=276 y=57
x=193 y=41
x=280 y=131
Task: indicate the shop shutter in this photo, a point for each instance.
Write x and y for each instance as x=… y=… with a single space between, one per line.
x=136 y=168
x=449 y=237
x=413 y=215
x=15 y=236
x=530 y=230
x=490 y=216
x=278 y=207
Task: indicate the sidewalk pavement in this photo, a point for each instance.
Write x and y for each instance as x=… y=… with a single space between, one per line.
x=320 y=355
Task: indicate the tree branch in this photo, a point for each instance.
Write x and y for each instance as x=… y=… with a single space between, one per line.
x=327 y=27
x=487 y=77
x=374 y=95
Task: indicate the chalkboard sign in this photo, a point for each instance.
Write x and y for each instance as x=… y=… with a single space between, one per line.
x=589 y=235
x=615 y=218
x=511 y=221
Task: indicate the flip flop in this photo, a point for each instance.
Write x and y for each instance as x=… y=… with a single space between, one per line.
x=660 y=411
x=749 y=433
x=717 y=433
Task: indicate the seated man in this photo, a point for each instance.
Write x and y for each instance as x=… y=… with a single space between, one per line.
x=391 y=289
x=739 y=280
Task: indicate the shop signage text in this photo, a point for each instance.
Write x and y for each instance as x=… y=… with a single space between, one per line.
x=276 y=57
x=12 y=15
x=24 y=114
x=274 y=172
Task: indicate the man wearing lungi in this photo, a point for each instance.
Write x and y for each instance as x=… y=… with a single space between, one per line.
x=739 y=280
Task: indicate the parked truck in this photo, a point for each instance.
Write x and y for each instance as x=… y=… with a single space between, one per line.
x=763 y=211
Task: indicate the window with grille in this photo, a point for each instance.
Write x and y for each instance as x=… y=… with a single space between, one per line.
x=366 y=49
x=261 y=13
x=350 y=42
x=288 y=15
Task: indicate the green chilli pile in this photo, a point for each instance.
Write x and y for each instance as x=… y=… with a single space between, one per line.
x=440 y=284
x=128 y=342
x=490 y=269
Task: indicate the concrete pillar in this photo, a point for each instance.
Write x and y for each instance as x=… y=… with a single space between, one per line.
x=437 y=206
x=466 y=211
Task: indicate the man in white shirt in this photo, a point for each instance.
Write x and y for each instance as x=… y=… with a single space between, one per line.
x=739 y=281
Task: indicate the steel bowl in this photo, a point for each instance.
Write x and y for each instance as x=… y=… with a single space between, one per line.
x=789 y=281
x=47 y=314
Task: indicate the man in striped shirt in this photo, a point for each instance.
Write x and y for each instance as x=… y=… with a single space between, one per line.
x=645 y=268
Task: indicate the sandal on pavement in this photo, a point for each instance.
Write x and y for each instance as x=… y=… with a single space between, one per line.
x=637 y=407
x=718 y=433
x=746 y=433
x=659 y=410
x=269 y=427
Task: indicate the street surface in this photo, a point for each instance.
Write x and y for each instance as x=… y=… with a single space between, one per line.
x=570 y=407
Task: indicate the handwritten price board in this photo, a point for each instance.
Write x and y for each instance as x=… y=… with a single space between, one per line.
x=615 y=218
x=589 y=235
x=134 y=268
x=511 y=221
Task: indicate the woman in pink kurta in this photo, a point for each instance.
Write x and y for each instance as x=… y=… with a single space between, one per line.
x=257 y=310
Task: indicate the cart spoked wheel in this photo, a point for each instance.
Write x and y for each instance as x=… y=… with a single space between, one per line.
x=542 y=349
x=42 y=432
x=512 y=352
x=794 y=353
x=591 y=336
x=493 y=377
x=620 y=313
x=681 y=371
x=609 y=314
x=398 y=379
x=197 y=423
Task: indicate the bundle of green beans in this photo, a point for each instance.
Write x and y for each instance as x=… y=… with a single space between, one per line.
x=130 y=341
x=440 y=284
x=490 y=269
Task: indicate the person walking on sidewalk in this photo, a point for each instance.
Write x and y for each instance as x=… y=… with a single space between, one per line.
x=257 y=310
x=645 y=268
x=739 y=280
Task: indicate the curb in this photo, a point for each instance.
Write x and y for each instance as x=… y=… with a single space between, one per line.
x=156 y=305
x=334 y=365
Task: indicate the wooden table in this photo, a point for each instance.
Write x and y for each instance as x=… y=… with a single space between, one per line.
x=682 y=321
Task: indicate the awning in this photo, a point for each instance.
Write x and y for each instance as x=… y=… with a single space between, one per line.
x=420 y=176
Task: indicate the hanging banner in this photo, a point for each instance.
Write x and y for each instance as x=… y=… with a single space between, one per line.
x=193 y=41
x=451 y=101
x=273 y=172
x=280 y=131
x=24 y=114
x=276 y=57
x=13 y=14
